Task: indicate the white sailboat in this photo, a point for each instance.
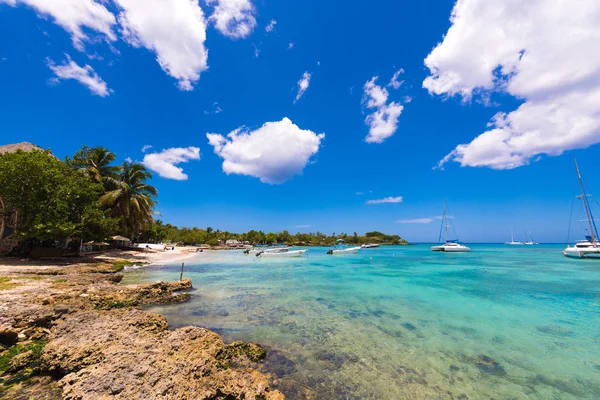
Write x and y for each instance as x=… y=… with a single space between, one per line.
x=530 y=242
x=590 y=247
x=340 y=249
x=450 y=246
x=512 y=240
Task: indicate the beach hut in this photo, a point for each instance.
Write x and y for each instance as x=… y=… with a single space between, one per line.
x=119 y=242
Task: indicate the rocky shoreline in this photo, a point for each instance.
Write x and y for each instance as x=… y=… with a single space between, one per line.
x=73 y=332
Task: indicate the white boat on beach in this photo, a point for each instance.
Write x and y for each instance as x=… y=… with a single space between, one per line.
x=289 y=253
x=450 y=246
x=340 y=249
x=590 y=247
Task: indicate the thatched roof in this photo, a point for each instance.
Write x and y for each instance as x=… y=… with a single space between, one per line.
x=25 y=146
x=120 y=239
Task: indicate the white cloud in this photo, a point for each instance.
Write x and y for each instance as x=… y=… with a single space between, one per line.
x=269 y=28
x=84 y=75
x=274 y=153
x=216 y=109
x=394 y=82
x=416 y=221
x=360 y=193
x=129 y=160
x=175 y=30
x=302 y=226
x=146 y=147
x=426 y=220
x=233 y=18
x=75 y=16
x=290 y=45
x=543 y=52
x=386 y=200
x=303 y=84
x=383 y=122
x=163 y=163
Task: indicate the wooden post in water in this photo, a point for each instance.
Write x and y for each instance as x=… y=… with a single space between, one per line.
x=181 y=274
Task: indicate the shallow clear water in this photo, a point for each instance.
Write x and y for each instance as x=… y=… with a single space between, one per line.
x=404 y=322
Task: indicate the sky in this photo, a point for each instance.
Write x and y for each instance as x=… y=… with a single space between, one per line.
x=314 y=116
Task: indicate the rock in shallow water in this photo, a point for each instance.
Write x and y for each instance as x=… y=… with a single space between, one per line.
x=489 y=365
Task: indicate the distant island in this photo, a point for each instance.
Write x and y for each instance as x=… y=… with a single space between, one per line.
x=159 y=232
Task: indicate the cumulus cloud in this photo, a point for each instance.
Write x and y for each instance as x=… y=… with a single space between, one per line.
x=290 y=45
x=85 y=75
x=164 y=163
x=386 y=200
x=75 y=16
x=233 y=18
x=269 y=28
x=146 y=147
x=383 y=122
x=274 y=153
x=394 y=82
x=542 y=52
x=303 y=84
x=175 y=30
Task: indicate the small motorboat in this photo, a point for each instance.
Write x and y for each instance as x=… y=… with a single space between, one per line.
x=370 y=246
x=341 y=249
x=288 y=253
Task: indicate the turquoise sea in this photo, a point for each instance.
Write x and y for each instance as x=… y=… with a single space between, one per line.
x=404 y=322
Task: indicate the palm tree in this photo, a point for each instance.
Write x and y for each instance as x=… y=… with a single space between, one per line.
x=130 y=198
x=96 y=161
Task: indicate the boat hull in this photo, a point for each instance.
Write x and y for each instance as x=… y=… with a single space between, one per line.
x=291 y=253
x=573 y=252
x=352 y=250
x=451 y=249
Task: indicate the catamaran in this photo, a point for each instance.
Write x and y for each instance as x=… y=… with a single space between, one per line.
x=590 y=247
x=450 y=246
x=530 y=242
x=512 y=240
x=341 y=249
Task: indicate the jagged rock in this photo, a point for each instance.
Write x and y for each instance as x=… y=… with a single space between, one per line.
x=8 y=336
x=20 y=361
x=130 y=353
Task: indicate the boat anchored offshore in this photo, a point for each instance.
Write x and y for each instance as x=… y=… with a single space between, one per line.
x=370 y=246
x=512 y=240
x=340 y=249
x=450 y=246
x=590 y=247
x=284 y=253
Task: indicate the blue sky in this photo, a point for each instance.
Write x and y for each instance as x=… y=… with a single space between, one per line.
x=515 y=170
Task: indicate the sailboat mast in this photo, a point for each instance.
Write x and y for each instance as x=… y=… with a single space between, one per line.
x=585 y=204
x=445 y=221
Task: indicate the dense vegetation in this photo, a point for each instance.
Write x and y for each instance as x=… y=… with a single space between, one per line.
x=159 y=232
x=84 y=197
x=88 y=197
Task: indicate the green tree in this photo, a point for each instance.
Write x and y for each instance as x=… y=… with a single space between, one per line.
x=131 y=198
x=53 y=200
x=96 y=161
